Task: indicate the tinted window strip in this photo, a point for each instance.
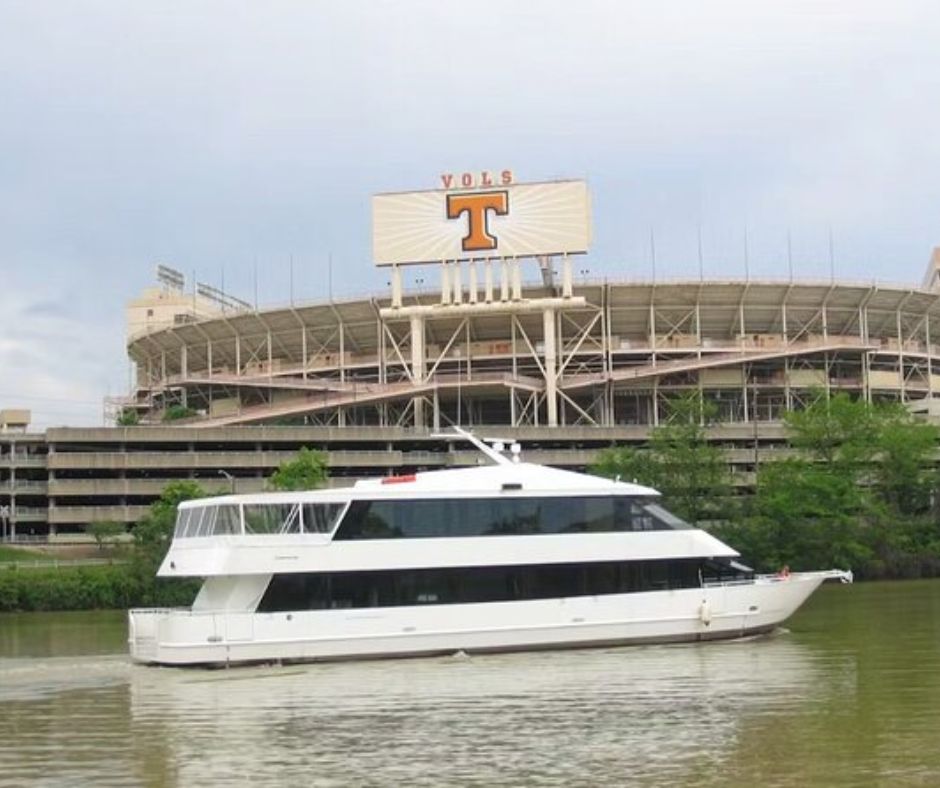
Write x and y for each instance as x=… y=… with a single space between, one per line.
x=465 y=585
x=511 y=515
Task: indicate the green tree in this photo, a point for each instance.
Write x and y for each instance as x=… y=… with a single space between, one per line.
x=902 y=473
x=837 y=431
x=154 y=531
x=307 y=471
x=857 y=494
x=104 y=531
x=690 y=472
x=128 y=418
x=806 y=516
x=177 y=412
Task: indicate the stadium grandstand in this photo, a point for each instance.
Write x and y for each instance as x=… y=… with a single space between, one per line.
x=224 y=391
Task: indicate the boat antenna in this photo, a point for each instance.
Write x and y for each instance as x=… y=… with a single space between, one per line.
x=490 y=451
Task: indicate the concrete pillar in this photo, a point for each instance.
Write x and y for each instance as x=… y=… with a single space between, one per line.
x=929 y=357
x=270 y=356
x=744 y=398
x=11 y=518
x=488 y=280
x=184 y=372
x=504 y=280
x=516 y=281
x=900 y=331
x=551 y=383
x=457 y=283
x=472 y=287
x=445 y=282
x=396 y=286
x=418 y=369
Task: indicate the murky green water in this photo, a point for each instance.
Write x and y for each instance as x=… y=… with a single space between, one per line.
x=850 y=695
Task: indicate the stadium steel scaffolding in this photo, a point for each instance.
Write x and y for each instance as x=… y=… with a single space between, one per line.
x=567 y=370
x=603 y=355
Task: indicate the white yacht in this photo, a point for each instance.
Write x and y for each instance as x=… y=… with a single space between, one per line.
x=506 y=556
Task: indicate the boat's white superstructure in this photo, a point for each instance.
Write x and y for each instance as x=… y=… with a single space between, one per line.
x=499 y=557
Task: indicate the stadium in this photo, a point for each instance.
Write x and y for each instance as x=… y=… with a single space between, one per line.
x=600 y=355
x=507 y=344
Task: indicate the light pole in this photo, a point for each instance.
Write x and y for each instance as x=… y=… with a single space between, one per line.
x=231 y=479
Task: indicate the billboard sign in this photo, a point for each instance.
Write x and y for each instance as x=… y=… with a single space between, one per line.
x=512 y=220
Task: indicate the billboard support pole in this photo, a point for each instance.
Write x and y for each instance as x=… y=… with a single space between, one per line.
x=488 y=280
x=458 y=285
x=445 y=283
x=472 y=284
x=396 y=286
x=567 y=289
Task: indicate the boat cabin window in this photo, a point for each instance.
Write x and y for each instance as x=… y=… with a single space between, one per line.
x=474 y=584
x=272 y=518
x=207 y=521
x=319 y=518
x=415 y=519
x=260 y=518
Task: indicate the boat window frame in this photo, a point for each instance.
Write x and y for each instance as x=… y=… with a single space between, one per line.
x=640 y=508
x=343 y=506
x=201 y=520
x=283 y=520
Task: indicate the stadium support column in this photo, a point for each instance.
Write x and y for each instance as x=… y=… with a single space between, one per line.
x=445 y=283
x=551 y=394
x=184 y=370
x=929 y=359
x=417 y=366
x=396 y=286
x=472 y=292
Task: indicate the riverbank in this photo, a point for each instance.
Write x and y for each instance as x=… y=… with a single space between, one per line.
x=84 y=587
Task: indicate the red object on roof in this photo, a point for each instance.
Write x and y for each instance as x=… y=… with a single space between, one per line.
x=399 y=479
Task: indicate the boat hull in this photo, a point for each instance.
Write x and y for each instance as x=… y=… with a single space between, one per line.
x=187 y=637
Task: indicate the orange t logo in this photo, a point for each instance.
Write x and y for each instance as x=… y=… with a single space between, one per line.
x=477 y=206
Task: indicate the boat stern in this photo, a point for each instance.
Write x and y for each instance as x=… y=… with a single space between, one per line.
x=143 y=632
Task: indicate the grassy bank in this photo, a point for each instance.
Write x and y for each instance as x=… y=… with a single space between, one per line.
x=88 y=588
x=8 y=554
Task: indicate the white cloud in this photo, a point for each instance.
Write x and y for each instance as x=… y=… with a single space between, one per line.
x=51 y=362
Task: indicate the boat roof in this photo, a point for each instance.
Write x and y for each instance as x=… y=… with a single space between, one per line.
x=484 y=481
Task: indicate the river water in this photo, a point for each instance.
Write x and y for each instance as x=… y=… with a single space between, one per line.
x=848 y=694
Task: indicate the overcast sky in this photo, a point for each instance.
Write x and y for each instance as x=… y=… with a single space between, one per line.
x=221 y=135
